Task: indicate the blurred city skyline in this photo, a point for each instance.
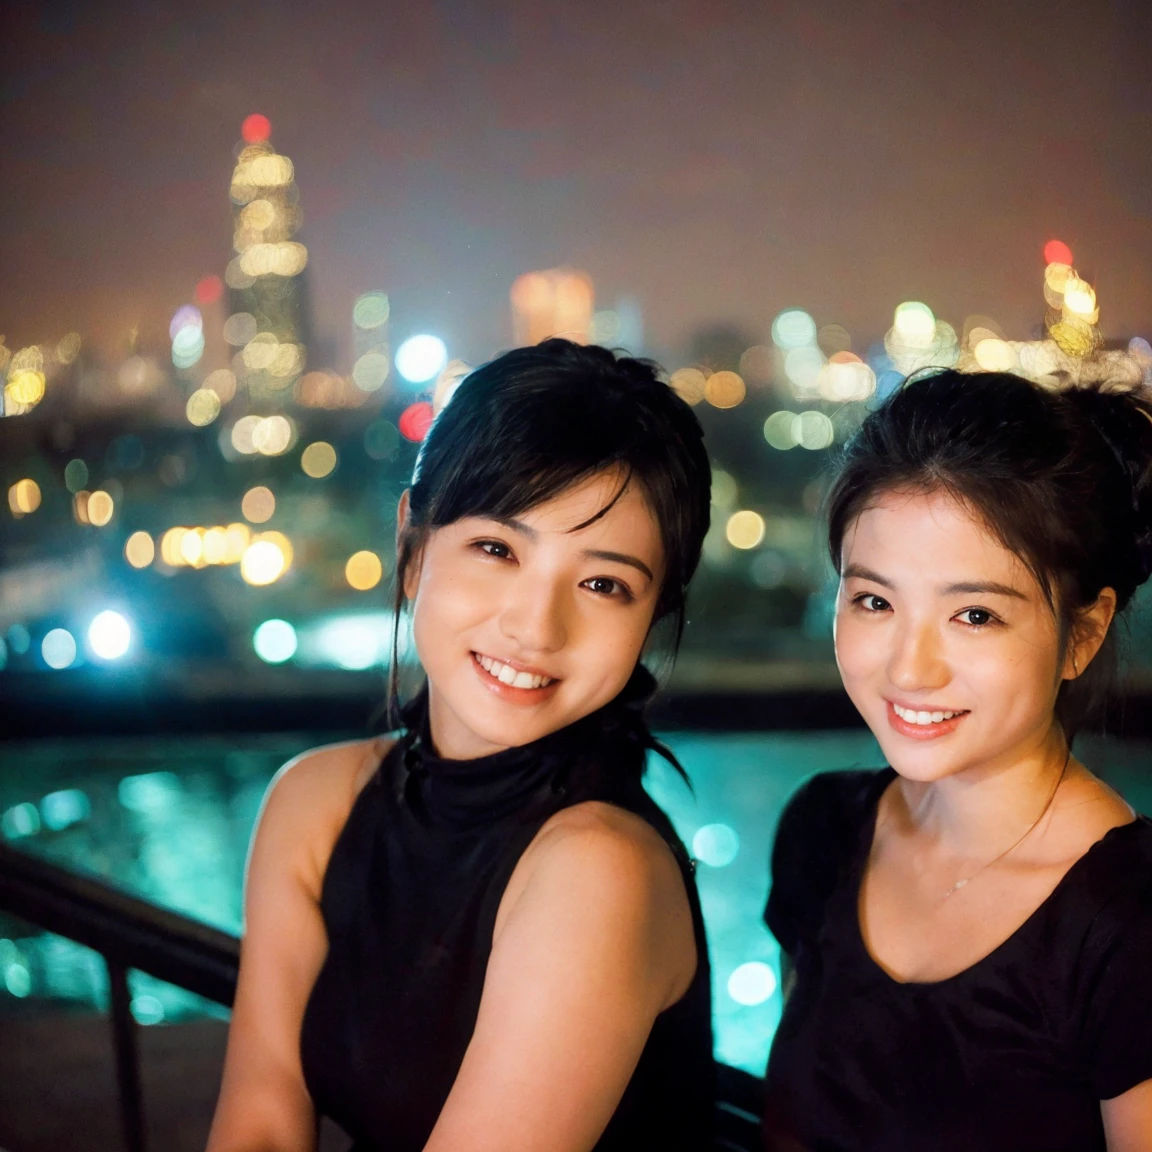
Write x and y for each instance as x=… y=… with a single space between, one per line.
x=714 y=162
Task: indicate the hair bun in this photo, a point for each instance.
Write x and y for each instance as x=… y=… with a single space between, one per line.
x=1122 y=418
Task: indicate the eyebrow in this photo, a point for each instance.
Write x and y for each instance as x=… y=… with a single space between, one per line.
x=964 y=588
x=589 y=554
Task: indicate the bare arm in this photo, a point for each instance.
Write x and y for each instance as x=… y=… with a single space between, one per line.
x=595 y=945
x=264 y=1105
x=1128 y=1120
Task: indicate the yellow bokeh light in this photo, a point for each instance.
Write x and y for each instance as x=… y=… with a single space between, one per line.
x=171 y=547
x=26 y=386
x=30 y=359
x=318 y=459
x=995 y=355
x=203 y=407
x=237 y=537
x=263 y=562
x=259 y=214
x=688 y=384
x=80 y=507
x=214 y=546
x=192 y=548
x=260 y=351
x=744 y=529
x=364 y=570
x=1080 y=299
x=100 y=508
x=258 y=505
x=24 y=497
x=139 y=550
x=272 y=436
x=288 y=361
x=915 y=324
x=724 y=389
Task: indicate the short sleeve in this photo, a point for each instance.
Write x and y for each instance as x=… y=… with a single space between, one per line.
x=1117 y=986
x=817 y=838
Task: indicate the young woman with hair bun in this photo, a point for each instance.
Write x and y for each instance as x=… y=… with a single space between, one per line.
x=481 y=935
x=969 y=931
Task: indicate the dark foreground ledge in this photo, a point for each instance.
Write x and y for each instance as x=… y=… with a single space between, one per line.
x=722 y=696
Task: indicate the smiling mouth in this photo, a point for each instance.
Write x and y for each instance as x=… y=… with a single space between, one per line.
x=922 y=718
x=506 y=674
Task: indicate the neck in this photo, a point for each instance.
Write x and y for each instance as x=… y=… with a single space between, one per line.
x=978 y=810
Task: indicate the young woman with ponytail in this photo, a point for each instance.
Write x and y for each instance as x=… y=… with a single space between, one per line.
x=969 y=930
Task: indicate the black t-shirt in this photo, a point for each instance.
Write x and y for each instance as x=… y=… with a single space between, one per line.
x=1014 y=1053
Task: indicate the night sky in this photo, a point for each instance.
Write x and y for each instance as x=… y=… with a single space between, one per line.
x=716 y=160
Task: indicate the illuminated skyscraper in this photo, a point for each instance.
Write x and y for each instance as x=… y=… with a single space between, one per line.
x=268 y=291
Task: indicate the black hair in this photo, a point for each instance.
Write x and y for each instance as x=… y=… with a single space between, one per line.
x=1061 y=477
x=527 y=426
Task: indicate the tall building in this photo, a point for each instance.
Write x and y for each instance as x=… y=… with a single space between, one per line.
x=268 y=291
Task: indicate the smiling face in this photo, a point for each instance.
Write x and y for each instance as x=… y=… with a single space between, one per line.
x=524 y=626
x=945 y=641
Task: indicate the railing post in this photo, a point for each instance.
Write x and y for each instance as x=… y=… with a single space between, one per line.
x=127 y=1057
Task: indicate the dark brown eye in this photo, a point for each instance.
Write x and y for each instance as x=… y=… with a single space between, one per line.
x=602 y=585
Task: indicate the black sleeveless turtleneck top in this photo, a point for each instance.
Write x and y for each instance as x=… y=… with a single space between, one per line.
x=409 y=902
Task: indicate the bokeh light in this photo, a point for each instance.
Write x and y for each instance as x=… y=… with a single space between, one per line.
x=752 y=983
x=24 y=497
x=778 y=430
x=793 y=328
x=420 y=358
x=139 y=550
x=222 y=382
x=995 y=355
x=318 y=459
x=240 y=328
x=689 y=384
x=265 y=560
x=716 y=845
x=100 y=508
x=187 y=316
x=381 y=439
x=371 y=310
x=363 y=571
x=273 y=436
x=256 y=128
x=724 y=390
x=68 y=348
x=275 y=641
x=109 y=635
x=745 y=529
x=1057 y=252
x=202 y=408
x=242 y=434
x=813 y=430
x=209 y=290
x=258 y=505
x=370 y=371
x=58 y=648
x=415 y=421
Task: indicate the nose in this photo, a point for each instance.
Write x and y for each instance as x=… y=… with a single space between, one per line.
x=534 y=615
x=916 y=659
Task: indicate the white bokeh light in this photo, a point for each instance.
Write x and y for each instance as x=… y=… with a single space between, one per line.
x=109 y=635
x=752 y=983
x=58 y=648
x=421 y=358
x=275 y=641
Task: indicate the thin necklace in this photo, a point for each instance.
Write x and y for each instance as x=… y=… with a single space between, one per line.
x=965 y=881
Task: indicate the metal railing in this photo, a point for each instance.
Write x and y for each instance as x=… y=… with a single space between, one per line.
x=128 y=933
x=132 y=933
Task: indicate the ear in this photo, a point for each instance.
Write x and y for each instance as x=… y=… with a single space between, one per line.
x=412 y=572
x=1088 y=634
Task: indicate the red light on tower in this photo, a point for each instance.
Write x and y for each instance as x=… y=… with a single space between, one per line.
x=1057 y=252
x=209 y=290
x=256 y=128
x=415 y=421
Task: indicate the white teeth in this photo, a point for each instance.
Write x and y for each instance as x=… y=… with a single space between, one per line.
x=508 y=675
x=913 y=717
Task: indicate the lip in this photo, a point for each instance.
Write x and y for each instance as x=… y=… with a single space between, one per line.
x=506 y=692
x=922 y=731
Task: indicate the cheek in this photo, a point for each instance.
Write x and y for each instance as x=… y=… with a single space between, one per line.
x=858 y=649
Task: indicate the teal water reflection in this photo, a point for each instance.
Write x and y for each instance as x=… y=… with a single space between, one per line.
x=170 y=820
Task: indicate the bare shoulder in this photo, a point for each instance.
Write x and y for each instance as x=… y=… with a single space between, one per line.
x=601 y=835
x=309 y=799
x=1091 y=807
